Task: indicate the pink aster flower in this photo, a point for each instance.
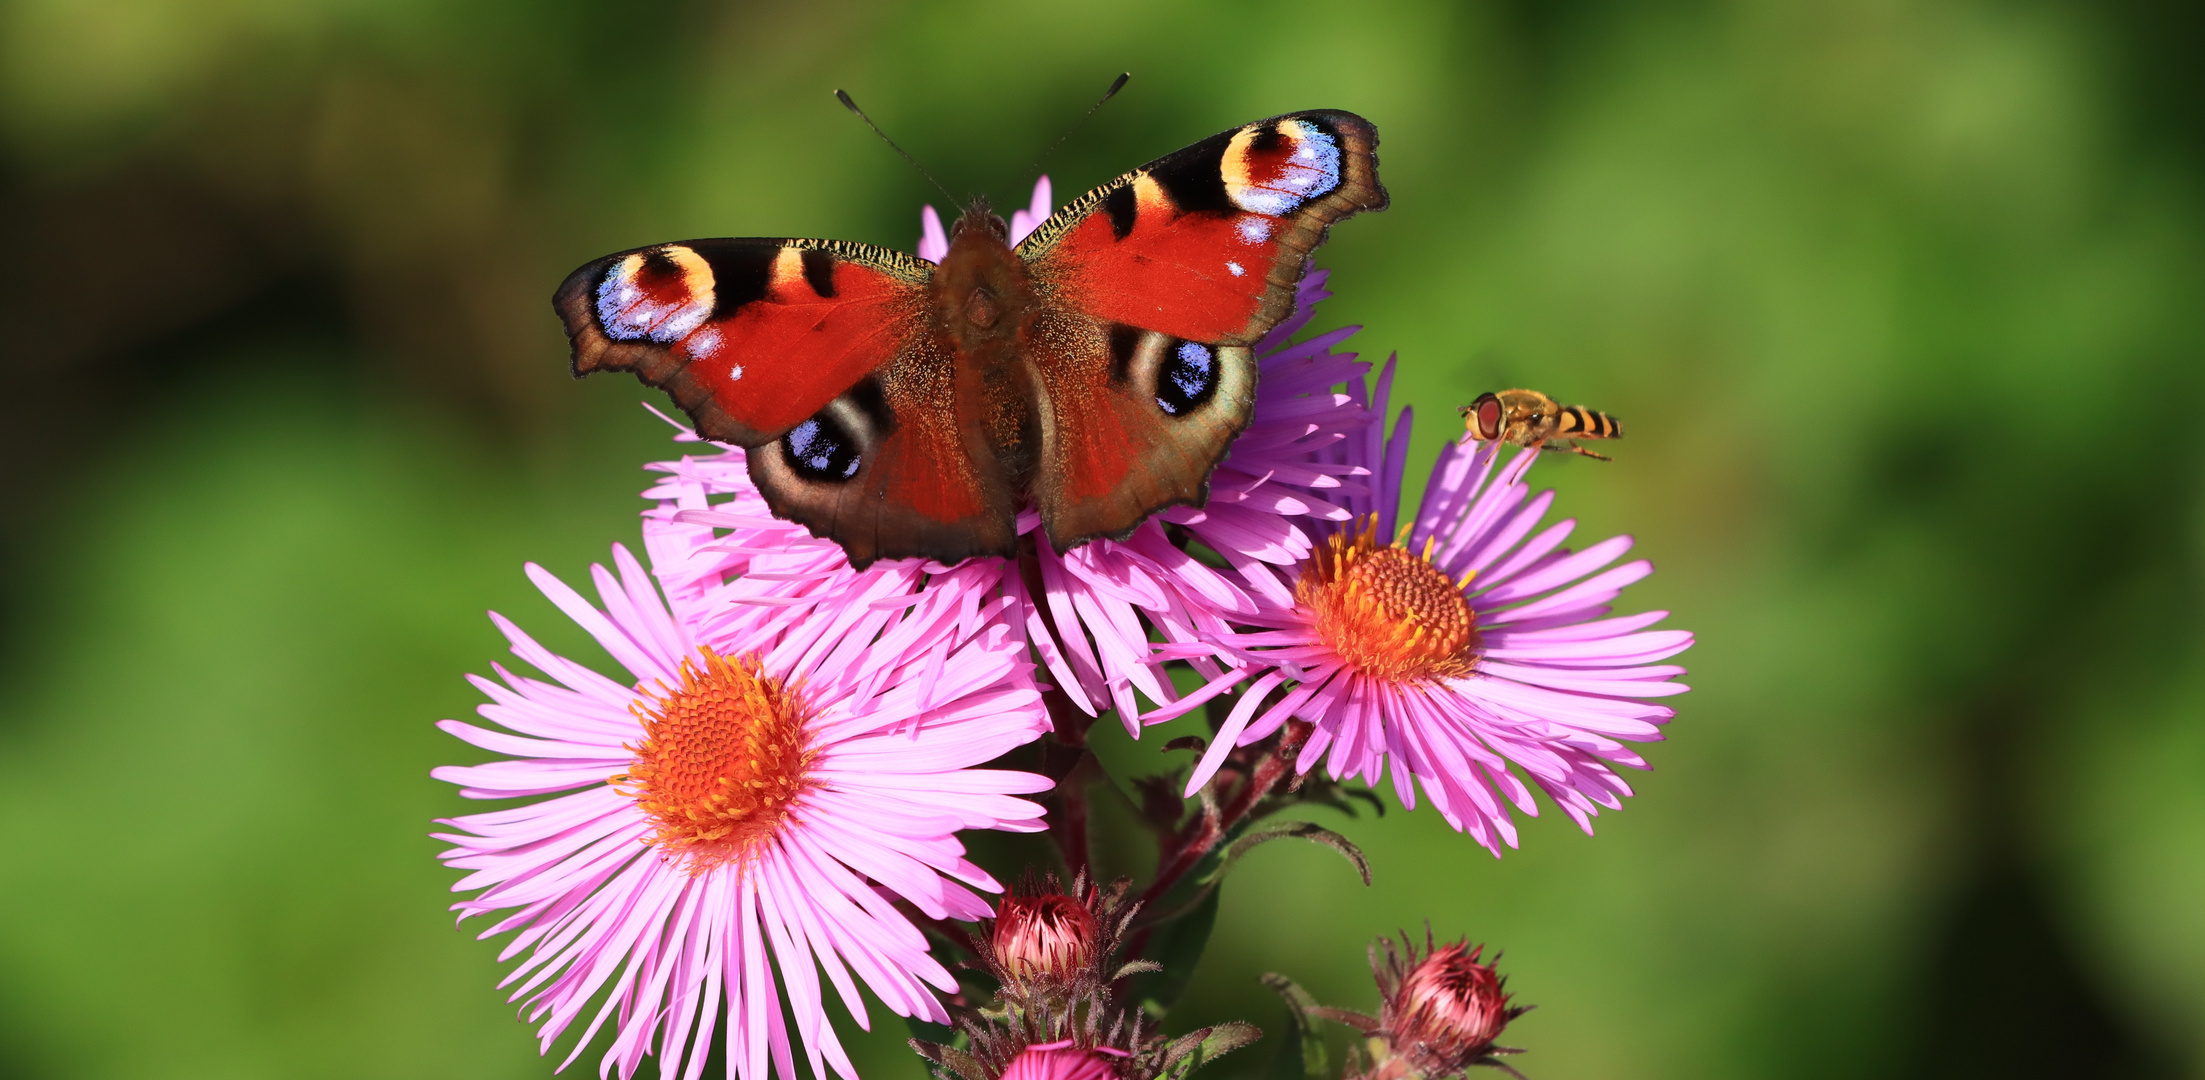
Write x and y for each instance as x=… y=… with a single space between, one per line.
x=1473 y=649
x=1103 y=1044
x=1062 y=1060
x=724 y=559
x=746 y=811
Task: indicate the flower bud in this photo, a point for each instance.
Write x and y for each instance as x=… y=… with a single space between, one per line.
x=1048 y=939
x=1443 y=1012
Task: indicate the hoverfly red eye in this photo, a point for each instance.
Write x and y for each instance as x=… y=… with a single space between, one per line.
x=1489 y=417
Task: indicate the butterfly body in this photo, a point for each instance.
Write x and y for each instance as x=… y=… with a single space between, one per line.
x=1098 y=370
x=984 y=308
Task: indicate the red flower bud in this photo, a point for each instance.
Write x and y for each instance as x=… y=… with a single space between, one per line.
x=1443 y=1012
x=1046 y=939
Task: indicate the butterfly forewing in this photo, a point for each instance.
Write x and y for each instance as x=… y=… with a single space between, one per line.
x=1207 y=243
x=750 y=336
x=820 y=357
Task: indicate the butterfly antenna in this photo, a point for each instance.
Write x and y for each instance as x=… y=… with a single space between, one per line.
x=843 y=96
x=1115 y=86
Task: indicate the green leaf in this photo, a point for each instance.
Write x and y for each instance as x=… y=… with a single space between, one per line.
x=1363 y=1022
x=1300 y=830
x=1198 y=1048
x=1302 y=1055
x=1179 y=947
x=1136 y=967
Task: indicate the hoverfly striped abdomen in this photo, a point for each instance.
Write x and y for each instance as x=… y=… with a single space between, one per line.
x=1533 y=420
x=1579 y=422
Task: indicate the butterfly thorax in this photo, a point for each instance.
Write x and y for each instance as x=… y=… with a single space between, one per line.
x=983 y=302
x=981 y=289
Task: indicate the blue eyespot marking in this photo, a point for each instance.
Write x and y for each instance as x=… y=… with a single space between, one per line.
x=818 y=449
x=1186 y=379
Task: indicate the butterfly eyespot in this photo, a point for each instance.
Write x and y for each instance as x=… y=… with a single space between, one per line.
x=1274 y=170
x=821 y=449
x=660 y=295
x=1186 y=379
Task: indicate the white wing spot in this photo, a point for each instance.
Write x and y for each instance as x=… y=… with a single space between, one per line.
x=703 y=344
x=735 y=372
x=1235 y=268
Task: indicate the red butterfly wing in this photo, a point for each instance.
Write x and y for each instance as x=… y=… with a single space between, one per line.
x=751 y=337
x=1132 y=421
x=819 y=356
x=1208 y=243
x=1156 y=286
x=897 y=466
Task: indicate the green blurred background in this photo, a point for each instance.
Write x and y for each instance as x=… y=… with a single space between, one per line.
x=1900 y=300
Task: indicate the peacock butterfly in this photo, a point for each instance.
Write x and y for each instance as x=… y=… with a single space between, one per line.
x=1100 y=369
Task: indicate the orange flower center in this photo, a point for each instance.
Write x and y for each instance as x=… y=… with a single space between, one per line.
x=1387 y=611
x=723 y=758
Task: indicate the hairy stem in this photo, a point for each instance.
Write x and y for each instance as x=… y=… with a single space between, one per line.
x=1201 y=835
x=1065 y=758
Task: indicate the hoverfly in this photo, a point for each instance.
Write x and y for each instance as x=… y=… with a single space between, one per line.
x=1531 y=419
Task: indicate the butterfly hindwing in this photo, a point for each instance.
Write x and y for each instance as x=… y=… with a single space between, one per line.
x=1159 y=284
x=894 y=467
x=751 y=336
x=1132 y=421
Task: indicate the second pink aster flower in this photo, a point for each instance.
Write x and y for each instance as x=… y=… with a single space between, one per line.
x=1471 y=650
